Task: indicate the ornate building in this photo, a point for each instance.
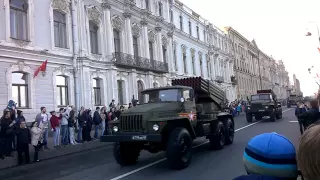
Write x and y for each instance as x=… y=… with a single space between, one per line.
x=103 y=50
x=254 y=69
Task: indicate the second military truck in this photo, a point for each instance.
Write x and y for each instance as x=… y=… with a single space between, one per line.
x=264 y=103
x=170 y=120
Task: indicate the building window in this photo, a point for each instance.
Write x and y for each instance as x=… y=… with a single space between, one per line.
x=135 y=47
x=193 y=66
x=164 y=53
x=155 y=85
x=140 y=89
x=120 y=91
x=19 y=19
x=184 y=57
x=20 y=89
x=60 y=29
x=62 y=90
x=97 y=91
x=147 y=4
x=160 y=9
x=181 y=23
x=94 y=38
x=151 y=50
x=204 y=36
x=175 y=58
x=171 y=16
x=190 y=28
x=116 y=39
x=198 y=33
x=201 y=71
x=208 y=68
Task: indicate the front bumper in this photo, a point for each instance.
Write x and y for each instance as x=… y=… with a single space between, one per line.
x=128 y=137
x=261 y=112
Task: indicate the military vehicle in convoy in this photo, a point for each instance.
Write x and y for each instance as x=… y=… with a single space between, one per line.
x=170 y=120
x=292 y=100
x=264 y=103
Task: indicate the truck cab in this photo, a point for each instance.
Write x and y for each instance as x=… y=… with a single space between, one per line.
x=264 y=103
x=169 y=119
x=292 y=100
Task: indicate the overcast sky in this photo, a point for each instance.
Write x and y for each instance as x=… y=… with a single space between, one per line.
x=278 y=26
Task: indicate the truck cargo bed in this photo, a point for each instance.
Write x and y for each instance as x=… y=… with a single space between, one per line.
x=205 y=90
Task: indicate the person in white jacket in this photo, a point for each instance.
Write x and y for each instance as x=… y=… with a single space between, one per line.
x=36 y=139
x=64 y=113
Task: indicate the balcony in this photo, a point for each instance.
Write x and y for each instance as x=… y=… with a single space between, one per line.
x=139 y=63
x=234 y=80
x=219 y=79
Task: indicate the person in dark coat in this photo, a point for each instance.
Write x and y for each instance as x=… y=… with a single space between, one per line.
x=300 y=109
x=312 y=115
x=97 y=122
x=23 y=141
x=7 y=131
x=89 y=124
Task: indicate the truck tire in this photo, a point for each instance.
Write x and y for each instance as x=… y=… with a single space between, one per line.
x=229 y=131
x=125 y=154
x=218 y=138
x=179 y=148
x=249 y=118
x=258 y=117
x=279 y=115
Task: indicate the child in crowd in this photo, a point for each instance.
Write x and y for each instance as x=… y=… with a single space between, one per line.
x=270 y=156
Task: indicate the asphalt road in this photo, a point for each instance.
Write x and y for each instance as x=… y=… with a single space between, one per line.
x=99 y=164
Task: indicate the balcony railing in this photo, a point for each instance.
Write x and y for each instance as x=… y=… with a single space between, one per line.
x=131 y=61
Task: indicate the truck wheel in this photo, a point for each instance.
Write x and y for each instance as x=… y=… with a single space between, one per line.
x=218 y=139
x=249 y=118
x=179 y=149
x=258 y=117
x=125 y=153
x=229 y=132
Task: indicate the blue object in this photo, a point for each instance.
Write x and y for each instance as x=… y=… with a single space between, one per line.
x=270 y=154
x=11 y=104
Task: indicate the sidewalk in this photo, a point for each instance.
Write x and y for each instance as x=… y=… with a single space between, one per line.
x=53 y=152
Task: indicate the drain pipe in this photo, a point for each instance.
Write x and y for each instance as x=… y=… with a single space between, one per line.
x=75 y=44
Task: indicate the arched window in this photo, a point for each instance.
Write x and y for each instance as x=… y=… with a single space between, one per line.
x=151 y=50
x=19 y=19
x=193 y=66
x=184 y=56
x=62 y=90
x=60 y=29
x=155 y=85
x=20 y=89
x=175 y=58
x=201 y=71
x=164 y=53
x=97 y=91
x=135 y=47
x=121 y=91
x=140 y=88
x=116 y=39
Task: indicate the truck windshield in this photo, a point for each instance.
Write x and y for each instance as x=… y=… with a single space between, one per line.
x=168 y=95
x=260 y=97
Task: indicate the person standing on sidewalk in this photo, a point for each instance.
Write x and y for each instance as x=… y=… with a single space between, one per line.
x=97 y=122
x=71 y=123
x=23 y=141
x=103 y=120
x=81 y=120
x=36 y=138
x=43 y=120
x=64 y=126
x=55 y=125
x=299 y=111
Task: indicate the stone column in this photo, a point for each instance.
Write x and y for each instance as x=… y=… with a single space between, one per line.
x=170 y=52
x=128 y=33
x=159 y=44
x=145 y=38
x=108 y=30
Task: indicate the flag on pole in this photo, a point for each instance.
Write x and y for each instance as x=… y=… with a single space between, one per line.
x=42 y=68
x=308 y=34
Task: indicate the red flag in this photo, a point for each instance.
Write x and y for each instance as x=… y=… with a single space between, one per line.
x=319 y=49
x=43 y=68
x=308 y=34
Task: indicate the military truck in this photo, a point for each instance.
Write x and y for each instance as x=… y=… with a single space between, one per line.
x=264 y=103
x=292 y=100
x=170 y=120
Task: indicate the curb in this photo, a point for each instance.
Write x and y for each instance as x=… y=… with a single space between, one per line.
x=54 y=153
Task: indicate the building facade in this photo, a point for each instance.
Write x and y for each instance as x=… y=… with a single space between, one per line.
x=254 y=69
x=296 y=89
x=103 y=50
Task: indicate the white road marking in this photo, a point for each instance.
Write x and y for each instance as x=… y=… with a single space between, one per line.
x=293 y=121
x=161 y=160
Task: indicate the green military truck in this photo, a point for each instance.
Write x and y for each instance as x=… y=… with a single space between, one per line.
x=264 y=103
x=292 y=100
x=170 y=120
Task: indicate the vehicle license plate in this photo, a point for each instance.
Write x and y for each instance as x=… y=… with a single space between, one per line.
x=139 y=137
x=261 y=110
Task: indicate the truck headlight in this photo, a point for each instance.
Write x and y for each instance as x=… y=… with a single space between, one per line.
x=115 y=128
x=155 y=127
x=248 y=108
x=267 y=107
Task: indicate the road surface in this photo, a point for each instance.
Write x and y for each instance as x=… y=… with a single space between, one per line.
x=99 y=164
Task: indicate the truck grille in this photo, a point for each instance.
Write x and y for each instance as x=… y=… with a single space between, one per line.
x=131 y=123
x=256 y=107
